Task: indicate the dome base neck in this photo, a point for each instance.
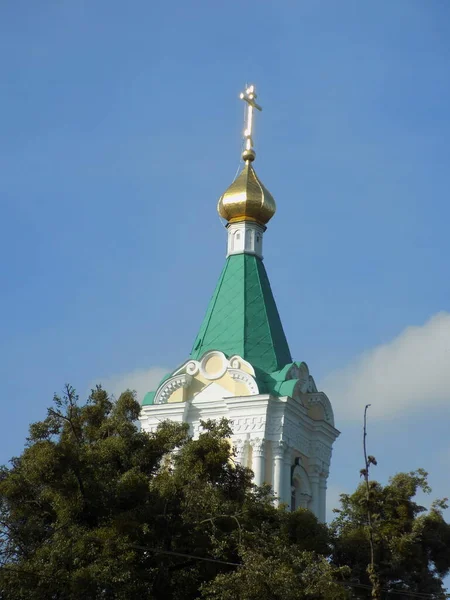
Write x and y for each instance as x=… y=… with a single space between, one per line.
x=245 y=237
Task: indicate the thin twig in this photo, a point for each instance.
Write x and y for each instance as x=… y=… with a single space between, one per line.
x=373 y=576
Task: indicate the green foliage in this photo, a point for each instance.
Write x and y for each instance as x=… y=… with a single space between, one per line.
x=411 y=544
x=285 y=574
x=96 y=508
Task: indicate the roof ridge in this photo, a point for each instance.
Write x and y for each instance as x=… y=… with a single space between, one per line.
x=198 y=340
x=269 y=321
x=262 y=295
x=244 y=349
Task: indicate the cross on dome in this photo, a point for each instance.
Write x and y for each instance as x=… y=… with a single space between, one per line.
x=249 y=96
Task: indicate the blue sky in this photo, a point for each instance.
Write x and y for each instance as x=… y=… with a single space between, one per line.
x=120 y=128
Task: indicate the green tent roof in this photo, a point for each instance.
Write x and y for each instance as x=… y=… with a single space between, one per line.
x=242 y=317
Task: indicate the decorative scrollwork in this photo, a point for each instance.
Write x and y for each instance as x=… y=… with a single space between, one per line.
x=192 y=367
x=169 y=387
x=249 y=381
x=234 y=363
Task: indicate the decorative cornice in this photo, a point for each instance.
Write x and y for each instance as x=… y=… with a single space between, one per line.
x=321 y=451
x=320 y=398
x=248 y=424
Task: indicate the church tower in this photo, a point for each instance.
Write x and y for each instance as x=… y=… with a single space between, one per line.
x=241 y=367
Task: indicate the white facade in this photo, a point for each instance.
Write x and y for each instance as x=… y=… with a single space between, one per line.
x=286 y=441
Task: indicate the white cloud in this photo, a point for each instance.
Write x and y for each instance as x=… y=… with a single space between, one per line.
x=411 y=372
x=140 y=380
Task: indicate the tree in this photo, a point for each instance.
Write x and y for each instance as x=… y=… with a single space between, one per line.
x=411 y=545
x=285 y=574
x=96 y=508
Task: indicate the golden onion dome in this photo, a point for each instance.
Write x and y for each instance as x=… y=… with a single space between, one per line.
x=247 y=199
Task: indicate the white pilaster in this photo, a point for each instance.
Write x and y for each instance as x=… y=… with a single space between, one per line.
x=287 y=477
x=278 y=449
x=240 y=451
x=245 y=237
x=322 y=515
x=258 y=460
x=314 y=479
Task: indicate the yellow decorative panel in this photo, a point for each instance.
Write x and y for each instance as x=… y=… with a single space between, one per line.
x=177 y=396
x=241 y=389
x=214 y=365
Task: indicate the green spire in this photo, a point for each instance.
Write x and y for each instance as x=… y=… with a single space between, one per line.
x=242 y=317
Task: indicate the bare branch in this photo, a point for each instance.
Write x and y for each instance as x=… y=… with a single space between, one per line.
x=368 y=460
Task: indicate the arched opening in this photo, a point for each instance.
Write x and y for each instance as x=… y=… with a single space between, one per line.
x=301 y=488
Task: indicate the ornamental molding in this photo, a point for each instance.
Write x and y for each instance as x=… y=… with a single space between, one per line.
x=319 y=469
x=321 y=399
x=237 y=362
x=238 y=368
x=278 y=449
x=312 y=388
x=247 y=424
x=220 y=371
x=192 y=367
x=321 y=451
x=274 y=425
x=239 y=447
x=292 y=433
x=315 y=469
x=244 y=377
x=170 y=386
x=323 y=479
x=293 y=372
x=301 y=373
x=258 y=446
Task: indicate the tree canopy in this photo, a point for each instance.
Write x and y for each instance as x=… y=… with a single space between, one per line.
x=411 y=544
x=96 y=508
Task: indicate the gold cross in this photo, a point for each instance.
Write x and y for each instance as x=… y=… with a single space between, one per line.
x=249 y=96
